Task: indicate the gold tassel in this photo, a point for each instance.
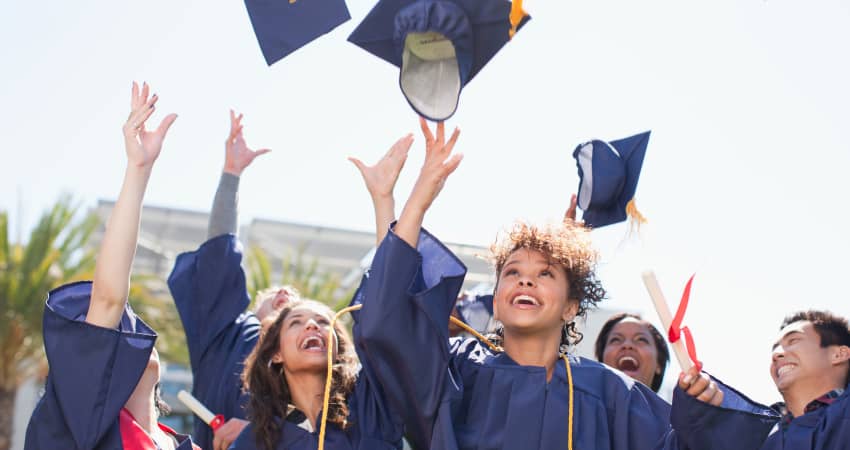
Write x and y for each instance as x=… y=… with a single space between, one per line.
x=517 y=14
x=636 y=219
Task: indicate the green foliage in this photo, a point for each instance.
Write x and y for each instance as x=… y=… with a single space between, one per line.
x=301 y=274
x=55 y=253
x=150 y=299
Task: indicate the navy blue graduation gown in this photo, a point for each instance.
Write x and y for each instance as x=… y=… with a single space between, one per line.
x=462 y=396
x=372 y=426
x=826 y=428
x=93 y=371
x=208 y=286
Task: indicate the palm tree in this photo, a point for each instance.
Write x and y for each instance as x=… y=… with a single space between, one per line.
x=55 y=253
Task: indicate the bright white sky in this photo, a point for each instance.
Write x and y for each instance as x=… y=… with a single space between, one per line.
x=747 y=100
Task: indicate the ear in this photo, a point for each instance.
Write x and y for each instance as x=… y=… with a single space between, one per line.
x=277 y=358
x=841 y=354
x=570 y=311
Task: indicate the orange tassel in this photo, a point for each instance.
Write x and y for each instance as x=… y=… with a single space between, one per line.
x=636 y=219
x=517 y=14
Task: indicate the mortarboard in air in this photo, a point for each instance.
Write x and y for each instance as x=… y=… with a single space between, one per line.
x=608 y=175
x=439 y=45
x=283 y=26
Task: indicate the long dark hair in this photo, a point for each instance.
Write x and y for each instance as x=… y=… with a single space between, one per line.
x=662 y=354
x=266 y=382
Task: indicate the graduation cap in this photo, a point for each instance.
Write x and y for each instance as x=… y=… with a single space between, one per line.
x=283 y=26
x=608 y=175
x=439 y=45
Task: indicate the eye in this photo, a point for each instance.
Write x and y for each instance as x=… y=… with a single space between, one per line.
x=547 y=273
x=509 y=272
x=614 y=340
x=294 y=322
x=642 y=339
x=323 y=321
x=793 y=340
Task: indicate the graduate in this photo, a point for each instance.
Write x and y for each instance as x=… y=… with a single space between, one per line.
x=286 y=372
x=208 y=286
x=635 y=347
x=810 y=365
x=102 y=387
x=529 y=393
x=286 y=376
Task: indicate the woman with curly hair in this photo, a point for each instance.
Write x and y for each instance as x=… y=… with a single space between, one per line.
x=285 y=374
x=529 y=393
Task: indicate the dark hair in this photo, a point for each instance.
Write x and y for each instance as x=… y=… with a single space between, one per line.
x=662 y=352
x=266 y=382
x=565 y=244
x=162 y=408
x=832 y=329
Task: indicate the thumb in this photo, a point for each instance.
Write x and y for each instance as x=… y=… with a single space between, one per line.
x=359 y=164
x=262 y=151
x=166 y=124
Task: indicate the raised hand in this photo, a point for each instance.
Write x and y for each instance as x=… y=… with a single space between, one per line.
x=237 y=154
x=143 y=146
x=701 y=386
x=380 y=178
x=439 y=164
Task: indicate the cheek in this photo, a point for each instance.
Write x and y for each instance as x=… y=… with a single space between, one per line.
x=609 y=353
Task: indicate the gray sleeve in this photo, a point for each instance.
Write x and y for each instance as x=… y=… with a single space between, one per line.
x=223 y=217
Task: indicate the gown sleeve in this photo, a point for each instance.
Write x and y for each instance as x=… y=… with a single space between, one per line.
x=738 y=423
x=93 y=370
x=403 y=327
x=209 y=289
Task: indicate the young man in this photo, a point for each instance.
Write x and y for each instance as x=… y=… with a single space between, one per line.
x=810 y=368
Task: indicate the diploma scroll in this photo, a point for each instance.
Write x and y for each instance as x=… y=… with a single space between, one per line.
x=213 y=420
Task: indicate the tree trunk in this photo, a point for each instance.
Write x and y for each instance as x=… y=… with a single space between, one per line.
x=7 y=416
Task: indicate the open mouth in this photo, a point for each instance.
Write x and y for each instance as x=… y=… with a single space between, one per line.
x=525 y=302
x=628 y=364
x=313 y=344
x=785 y=369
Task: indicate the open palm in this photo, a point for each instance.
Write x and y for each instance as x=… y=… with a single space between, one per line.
x=238 y=156
x=143 y=146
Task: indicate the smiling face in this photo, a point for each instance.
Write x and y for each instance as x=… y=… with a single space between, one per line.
x=532 y=294
x=303 y=340
x=631 y=349
x=798 y=358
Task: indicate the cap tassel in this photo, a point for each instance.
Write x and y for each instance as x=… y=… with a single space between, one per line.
x=636 y=219
x=517 y=14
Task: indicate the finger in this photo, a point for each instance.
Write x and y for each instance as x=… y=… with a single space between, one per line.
x=426 y=130
x=232 y=124
x=571 y=210
x=166 y=124
x=134 y=96
x=401 y=147
x=262 y=151
x=143 y=115
x=452 y=140
x=359 y=164
x=700 y=385
x=145 y=92
x=708 y=393
x=453 y=163
x=441 y=132
x=717 y=400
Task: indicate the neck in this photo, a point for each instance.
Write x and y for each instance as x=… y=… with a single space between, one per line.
x=797 y=397
x=533 y=349
x=141 y=404
x=307 y=390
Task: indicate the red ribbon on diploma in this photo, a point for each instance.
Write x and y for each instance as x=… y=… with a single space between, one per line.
x=676 y=330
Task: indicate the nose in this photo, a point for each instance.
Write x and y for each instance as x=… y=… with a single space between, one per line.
x=312 y=324
x=526 y=282
x=778 y=353
x=628 y=343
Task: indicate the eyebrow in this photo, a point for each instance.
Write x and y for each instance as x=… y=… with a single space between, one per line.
x=776 y=344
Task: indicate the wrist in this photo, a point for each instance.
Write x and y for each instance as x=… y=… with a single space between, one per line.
x=232 y=171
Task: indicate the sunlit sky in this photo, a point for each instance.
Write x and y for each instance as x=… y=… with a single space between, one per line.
x=747 y=101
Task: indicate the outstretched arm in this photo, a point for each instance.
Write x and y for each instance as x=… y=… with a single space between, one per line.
x=223 y=217
x=380 y=180
x=439 y=164
x=112 y=272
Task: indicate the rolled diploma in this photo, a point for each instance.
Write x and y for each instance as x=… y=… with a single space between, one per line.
x=666 y=317
x=197 y=407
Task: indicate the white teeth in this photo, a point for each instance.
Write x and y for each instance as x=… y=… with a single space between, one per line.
x=313 y=342
x=784 y=369
x=628 y=358
x=525 y=300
